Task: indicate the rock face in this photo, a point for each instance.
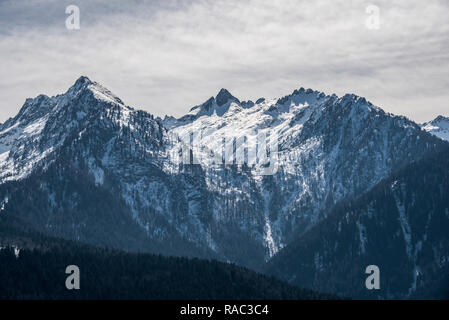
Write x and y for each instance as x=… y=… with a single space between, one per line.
x=330 y=148
x=84 y=166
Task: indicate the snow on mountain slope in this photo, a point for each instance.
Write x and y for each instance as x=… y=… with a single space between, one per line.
x=439 y=127
x=328 y=148
x=43 y=124
x=240 y=179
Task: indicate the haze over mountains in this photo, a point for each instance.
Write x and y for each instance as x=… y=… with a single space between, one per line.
x=84 y=166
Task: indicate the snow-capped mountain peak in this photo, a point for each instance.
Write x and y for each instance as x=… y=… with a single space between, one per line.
x=224 y=96
x=218 y=105
x=439 y=127
x=84 y=83
x=83 y=88
x=43 y=124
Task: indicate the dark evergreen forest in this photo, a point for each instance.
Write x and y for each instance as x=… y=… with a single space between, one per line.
x=38 y=272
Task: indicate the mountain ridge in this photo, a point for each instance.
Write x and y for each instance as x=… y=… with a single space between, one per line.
x=326 y=149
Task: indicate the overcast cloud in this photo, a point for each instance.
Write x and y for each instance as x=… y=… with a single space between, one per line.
x=166 y=56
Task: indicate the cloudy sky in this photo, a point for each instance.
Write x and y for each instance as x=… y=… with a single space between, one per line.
x=166 y=56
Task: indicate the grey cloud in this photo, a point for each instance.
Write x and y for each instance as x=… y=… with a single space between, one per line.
x=166 y=56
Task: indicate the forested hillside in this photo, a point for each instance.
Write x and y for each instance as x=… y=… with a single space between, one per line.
x=33 y=267
x=401 y=226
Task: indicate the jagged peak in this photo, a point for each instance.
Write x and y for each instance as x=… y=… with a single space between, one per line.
x=301 y=95
x=100 y=92
x=358 y=104
x=306 y=92
x=439 y=122
x=439 y=127
x=440 y=118
x=83 y=80
x=247 y=104
x=81 y=83
x=205 y=106
x=224 y=96
x=32 y=109
x=353 y=99
x=42 y=104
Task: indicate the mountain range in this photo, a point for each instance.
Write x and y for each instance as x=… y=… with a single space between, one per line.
x=334 y=184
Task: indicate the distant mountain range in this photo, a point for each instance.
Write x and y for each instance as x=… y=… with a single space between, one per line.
x=438 y=127
x=304 y=183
